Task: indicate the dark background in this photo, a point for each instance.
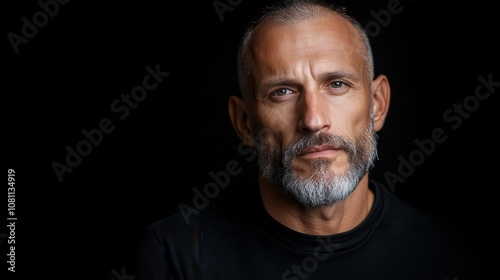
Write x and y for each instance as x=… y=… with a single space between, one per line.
x=64 y=79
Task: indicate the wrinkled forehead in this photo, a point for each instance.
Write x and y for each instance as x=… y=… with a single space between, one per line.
x=329 y=21
x=329 y=32
x=329 y=38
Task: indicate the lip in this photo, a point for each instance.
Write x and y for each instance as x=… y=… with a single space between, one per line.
x=318 y=151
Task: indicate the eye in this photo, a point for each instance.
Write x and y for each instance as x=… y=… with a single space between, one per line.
x=337 y=84
x=339 y=87
x=282 y=92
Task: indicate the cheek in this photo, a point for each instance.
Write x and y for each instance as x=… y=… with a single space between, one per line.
x=350 y=118
x=274 y=124
x=361 y=118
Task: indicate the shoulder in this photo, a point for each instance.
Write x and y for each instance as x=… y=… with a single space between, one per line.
x=429 y=238
x=405 y=225
x=176 y=227
x=402 y=212
x=184 y=225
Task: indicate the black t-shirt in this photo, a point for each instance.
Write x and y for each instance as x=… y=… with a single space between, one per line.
x=241 y=241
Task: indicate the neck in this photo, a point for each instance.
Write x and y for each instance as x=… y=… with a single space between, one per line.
x=339 y=217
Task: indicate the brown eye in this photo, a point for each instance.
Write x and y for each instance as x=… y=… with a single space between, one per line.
x=282 y=92
x=337 y=84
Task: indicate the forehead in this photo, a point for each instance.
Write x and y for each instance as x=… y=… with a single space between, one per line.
x=327 y=21
x=329 y=37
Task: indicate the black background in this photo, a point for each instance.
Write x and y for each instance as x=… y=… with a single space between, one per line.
x=65 y=78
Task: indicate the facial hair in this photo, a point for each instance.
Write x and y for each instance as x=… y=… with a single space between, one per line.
x=322 y=187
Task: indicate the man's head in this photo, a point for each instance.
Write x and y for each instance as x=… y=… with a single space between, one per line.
x=311 y=105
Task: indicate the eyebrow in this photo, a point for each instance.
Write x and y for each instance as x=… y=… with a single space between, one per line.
x=334 y=75
x=349 y=75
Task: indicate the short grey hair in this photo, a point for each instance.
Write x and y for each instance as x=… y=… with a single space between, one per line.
x=292 y=11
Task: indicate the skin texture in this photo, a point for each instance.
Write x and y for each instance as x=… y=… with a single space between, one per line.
x=309 y=78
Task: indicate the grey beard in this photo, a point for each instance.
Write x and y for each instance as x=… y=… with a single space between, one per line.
x=322 y=187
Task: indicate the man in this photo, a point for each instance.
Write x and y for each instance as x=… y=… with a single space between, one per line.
x=310 y=105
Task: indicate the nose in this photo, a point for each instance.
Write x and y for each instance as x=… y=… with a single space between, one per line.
x=313 y=112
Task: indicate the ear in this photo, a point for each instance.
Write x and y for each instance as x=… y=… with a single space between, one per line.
x=240 y=120
x=381 y=90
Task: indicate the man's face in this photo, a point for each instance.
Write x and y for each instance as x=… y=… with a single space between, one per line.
x=312 y=104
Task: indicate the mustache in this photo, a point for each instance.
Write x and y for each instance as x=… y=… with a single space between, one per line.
x=318 y=139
